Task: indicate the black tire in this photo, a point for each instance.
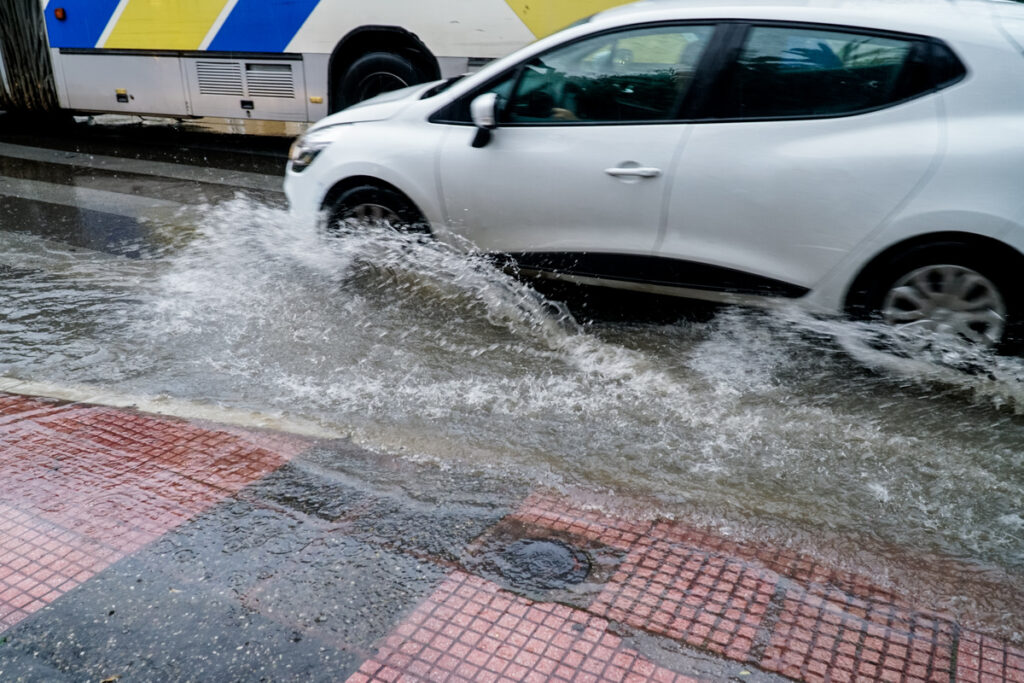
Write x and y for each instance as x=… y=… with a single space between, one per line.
x=869 y=295
x=375 y=73
x=398 y=211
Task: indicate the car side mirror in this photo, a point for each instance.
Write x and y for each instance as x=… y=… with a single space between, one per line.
x=484 y=111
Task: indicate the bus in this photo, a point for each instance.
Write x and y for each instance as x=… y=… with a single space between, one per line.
x=278 y=60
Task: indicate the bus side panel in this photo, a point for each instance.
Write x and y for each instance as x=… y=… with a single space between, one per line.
x=150 y=25
x=546 y=17
x=316 y=67
x=267 y=89
x=124 y=84
x=83 y=25
x=59 y=79
x=485 y=28
x=262 y=25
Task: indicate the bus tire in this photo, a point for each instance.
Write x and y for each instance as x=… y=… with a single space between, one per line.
x=375 y=73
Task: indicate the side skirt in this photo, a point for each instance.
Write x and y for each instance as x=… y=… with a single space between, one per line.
x=655 y=275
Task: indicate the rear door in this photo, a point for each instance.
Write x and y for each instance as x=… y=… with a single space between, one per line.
x=812 y=136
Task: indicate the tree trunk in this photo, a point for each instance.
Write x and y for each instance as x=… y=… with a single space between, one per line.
x=29 y=84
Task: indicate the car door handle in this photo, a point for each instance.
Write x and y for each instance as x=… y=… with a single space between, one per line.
x=633 y=172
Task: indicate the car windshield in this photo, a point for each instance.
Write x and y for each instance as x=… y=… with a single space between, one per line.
x=442 y=86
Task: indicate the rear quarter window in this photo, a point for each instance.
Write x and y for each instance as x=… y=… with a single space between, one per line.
x=807 y=72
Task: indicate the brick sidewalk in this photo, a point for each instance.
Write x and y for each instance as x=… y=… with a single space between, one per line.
x=771 y=610
x=84 y=486
x=88 y=489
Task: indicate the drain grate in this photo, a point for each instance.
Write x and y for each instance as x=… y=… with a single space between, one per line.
x=542 y=564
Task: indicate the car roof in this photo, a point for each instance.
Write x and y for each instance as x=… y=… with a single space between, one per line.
x=951 y=19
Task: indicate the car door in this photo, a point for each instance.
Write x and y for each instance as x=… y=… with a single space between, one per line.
x=577 y=174
x=812 y=137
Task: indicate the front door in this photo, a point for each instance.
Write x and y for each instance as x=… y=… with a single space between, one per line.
x=577 y=175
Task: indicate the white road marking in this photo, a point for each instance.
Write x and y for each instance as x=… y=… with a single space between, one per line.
x=171 y=407
x=117 y=203
x=163 y=169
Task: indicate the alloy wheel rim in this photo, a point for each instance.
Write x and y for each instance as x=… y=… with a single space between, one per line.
x=374 y=214
x=946 y=300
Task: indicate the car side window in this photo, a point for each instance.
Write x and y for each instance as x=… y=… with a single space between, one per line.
x=802 y=72
x=630 y=76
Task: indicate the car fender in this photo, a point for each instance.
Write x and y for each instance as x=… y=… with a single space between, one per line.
x=408 y=164
x=829 y=295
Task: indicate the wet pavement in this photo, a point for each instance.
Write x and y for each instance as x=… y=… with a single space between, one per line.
x=267 y=454
x=135 y=547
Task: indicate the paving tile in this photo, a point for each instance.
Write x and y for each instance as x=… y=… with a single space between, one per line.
x=691 y=595
x=299 y=560
x=40 y=561
x=786 y=563
x=774 y=608
x=85 y=486
x=556 y=513
x=829 y=634
x=981 y=659
x=490 y=641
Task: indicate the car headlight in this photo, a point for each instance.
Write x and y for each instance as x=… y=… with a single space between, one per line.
x=307 y=147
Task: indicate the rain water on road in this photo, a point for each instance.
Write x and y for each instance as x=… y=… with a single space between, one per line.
x=175 y=278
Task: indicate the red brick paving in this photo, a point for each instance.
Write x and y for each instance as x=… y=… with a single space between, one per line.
x=838 y=637
x=982 y=659
x=83 y=486
x=40 y=561
x=550 y=512
x=471 y=630
x=689 y=595
x=773 y=609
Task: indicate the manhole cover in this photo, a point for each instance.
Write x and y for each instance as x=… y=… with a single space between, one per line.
x=543 y=564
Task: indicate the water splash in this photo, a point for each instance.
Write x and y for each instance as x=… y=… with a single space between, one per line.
x=771 y=424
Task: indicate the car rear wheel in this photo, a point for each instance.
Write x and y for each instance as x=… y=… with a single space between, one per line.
x=376 y=206
x=950 y=300
x=947 y=294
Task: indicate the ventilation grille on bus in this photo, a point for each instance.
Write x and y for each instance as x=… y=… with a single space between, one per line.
x=269 y=80
x=220 y=78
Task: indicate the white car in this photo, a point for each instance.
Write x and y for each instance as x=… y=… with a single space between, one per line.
x=862 y=157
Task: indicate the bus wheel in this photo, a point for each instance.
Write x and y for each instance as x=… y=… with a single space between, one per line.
x=375 y=73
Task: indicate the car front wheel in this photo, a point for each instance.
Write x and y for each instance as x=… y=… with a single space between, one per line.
x=376 y=206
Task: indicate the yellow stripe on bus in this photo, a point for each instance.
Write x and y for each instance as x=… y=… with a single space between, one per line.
x=544 y=17
x=164 y=24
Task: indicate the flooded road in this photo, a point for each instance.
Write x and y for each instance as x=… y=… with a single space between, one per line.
x=148 y=269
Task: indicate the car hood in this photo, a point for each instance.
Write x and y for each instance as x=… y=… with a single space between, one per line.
x=378 y=108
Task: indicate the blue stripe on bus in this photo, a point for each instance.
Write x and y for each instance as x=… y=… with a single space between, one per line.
x=262 y=25
x=84 y=24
